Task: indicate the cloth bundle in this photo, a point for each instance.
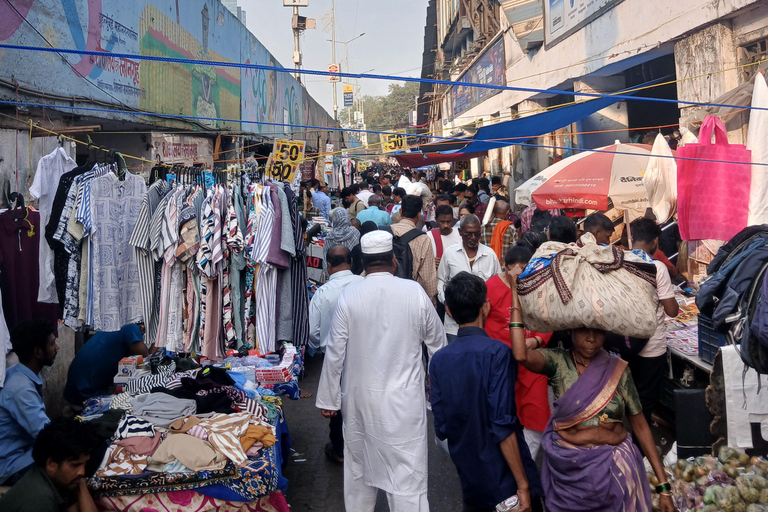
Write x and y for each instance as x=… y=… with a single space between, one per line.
x=568 y=286
x=160 y=409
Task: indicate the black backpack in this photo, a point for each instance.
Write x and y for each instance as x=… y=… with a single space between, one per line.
x=403 y=254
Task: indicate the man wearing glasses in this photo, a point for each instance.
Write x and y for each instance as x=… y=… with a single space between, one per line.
x=468 y=256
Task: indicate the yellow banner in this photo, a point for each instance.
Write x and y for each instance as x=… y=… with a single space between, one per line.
x=285 y=159
x=349 y=88
x=391 y=143
x=363 y=166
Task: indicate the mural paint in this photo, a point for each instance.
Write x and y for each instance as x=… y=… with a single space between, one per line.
x=273 y=97
x=192 y=29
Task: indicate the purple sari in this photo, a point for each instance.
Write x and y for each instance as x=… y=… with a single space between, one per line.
x=604 y=478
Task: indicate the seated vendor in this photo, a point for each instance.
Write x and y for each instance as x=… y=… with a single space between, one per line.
x=56 y=482
x=93 y=370
x=22 y=412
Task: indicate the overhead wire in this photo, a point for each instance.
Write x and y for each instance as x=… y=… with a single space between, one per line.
x=501 y=144
x=368 y=76
x=310 y=129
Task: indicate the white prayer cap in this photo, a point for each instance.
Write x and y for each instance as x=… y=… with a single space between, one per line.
x=376 y=242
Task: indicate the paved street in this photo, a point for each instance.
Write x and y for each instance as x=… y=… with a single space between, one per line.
x=317 y=484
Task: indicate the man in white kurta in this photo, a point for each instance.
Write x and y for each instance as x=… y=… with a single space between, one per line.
x=373 y=373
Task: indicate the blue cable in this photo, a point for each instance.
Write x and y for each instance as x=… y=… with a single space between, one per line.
x=364 y=75
x=328 y=128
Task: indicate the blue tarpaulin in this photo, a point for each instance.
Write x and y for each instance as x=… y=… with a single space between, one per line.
x=515 y=131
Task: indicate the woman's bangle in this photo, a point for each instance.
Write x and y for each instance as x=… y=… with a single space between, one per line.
x=539 y=341
x=515 y=325
x=663 y=487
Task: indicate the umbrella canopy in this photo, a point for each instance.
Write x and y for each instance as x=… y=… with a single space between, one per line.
x=587 y=180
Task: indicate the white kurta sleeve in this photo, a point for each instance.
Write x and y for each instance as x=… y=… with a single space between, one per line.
x=442 y=277
x=329 y=389
x=433 y=332
x=315 y=318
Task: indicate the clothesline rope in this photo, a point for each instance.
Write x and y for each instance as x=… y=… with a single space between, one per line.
x=455 y=139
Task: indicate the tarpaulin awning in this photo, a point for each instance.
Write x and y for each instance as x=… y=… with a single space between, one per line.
x=516 y=131
x=413 y=160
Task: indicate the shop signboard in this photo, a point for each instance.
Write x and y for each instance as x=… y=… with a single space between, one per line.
x=462 y=165
x=295 y=3
x=391 y=142
x=285 y=159
x=333 y=68
x=489 y=69
x=349 y=95
x=328 y=170
x=363 y=166
x=564 y=17
x=182 y=149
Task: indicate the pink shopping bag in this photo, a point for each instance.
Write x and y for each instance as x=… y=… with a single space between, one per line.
x=713 y=181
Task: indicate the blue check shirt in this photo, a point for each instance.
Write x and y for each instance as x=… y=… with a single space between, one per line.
x=22 y=417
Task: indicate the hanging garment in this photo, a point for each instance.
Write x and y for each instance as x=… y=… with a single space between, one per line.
x=60 y=256
x=50 y=168
x=299 y=297
x=116 y=205
x=140 y=240
x=20 y=268
x=237 y=264
x=266 y=279
x=757 y=142
x=5 y=342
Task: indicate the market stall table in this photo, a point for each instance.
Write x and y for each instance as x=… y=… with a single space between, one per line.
x=256 y=484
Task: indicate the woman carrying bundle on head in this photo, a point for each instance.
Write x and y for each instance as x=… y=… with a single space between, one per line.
x=590 y=461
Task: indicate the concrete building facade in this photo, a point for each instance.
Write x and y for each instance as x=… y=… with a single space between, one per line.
x=699 y=50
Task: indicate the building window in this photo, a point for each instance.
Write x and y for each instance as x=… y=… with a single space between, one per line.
x=752 y=54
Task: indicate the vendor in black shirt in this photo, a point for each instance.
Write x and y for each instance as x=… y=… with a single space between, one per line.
x=57 y=481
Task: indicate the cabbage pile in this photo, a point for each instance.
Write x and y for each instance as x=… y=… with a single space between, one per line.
x=730 y=482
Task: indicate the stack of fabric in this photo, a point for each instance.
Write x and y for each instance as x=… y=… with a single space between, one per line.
x=207 y=431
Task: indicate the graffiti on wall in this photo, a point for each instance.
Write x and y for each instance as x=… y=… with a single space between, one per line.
x=192 y=29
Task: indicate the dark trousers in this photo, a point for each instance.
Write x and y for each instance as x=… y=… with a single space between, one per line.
x=536 y=506
x=337 y=434
x=648 y=372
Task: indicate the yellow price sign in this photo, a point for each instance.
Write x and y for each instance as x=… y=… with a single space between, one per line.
x=393 y=142
x=363 y=166
x=285 y=159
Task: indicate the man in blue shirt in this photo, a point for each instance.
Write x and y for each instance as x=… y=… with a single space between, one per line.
x=473 y=402
x=374 y=213
x=321 y=200
x=22 y=411
x=93 y=369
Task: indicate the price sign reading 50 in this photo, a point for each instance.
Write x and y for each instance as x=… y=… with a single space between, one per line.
x=286 y=157
x=391 y=143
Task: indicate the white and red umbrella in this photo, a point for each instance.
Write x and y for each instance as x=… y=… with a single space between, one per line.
x=586 y=181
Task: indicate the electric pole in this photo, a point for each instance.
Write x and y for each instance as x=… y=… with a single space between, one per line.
x=333 y=58
x=296 y=42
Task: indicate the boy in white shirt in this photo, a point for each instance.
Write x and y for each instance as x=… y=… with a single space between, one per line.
x=648 y=366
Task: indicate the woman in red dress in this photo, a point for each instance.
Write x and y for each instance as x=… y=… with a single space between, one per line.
x=531 y=394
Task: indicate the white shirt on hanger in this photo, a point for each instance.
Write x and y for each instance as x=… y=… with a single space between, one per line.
x=44 y=185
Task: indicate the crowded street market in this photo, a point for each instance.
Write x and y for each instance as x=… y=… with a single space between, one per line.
x=529 y=275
